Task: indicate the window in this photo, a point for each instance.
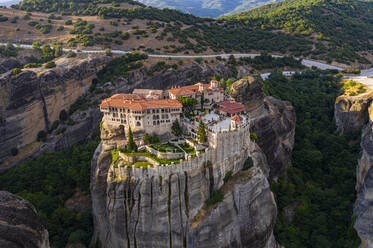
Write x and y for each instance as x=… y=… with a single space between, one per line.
x=138 y=124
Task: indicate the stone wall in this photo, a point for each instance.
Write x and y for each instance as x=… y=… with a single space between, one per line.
x=229 y=147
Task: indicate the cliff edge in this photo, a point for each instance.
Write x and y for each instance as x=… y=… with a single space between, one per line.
x=20 y=226
x=167 y=206
x=354 y=113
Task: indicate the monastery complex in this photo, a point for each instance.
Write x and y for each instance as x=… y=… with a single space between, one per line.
x=154 y=111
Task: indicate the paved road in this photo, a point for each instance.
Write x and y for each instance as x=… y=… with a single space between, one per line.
x=306 y=62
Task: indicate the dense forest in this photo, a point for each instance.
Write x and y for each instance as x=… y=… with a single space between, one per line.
x=330 y=30
x=316 y=196
x=48 y=181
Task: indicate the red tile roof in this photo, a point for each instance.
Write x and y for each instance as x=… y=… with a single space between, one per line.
x=231 y=107
x=191 y=89
x=181 y=92
x=237 y=118
x=122 y=101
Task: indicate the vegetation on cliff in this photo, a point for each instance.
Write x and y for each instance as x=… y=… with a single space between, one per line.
x=48 y=181
x=316 y=196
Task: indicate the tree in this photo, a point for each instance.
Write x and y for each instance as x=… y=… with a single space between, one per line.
x=188 y=103
x=131 y=145
x=176 y=129
x=147 y=139
x=108 y=52
x=36 y=45
x=202 y=100
x=201 y=132
x=63 y=115
x=57 y=50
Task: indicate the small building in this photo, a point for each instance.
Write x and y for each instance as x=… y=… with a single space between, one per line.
x=231 y=108
x=212 y=93
x=142 y=115
x=236 y=122
x=151 y=94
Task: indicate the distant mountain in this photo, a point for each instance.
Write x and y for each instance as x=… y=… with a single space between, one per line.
x=211 y=8
x=8 y=2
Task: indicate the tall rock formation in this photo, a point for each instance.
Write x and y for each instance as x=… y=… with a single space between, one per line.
x=272 y=120
x=20 y=226
x=165 y=206
x=352 y=114
x=32 y=100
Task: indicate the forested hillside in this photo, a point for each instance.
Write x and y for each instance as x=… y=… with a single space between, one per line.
x=329 y=30
x=340 y=28
x=316 y=197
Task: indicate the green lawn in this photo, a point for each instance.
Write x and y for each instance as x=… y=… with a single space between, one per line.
x=188 y=149
x=142 y=164
x=166 y=147
x=149 y=155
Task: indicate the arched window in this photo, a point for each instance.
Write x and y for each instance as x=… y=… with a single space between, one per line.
x=138 y=124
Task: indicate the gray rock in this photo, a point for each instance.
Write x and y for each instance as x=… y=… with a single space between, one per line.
x=351 y=112
x=20 y=226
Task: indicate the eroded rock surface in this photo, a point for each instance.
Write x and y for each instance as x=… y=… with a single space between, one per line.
x=272 y=120
x=135 y=208
x=20 y=226
x=364 y=187
x=32 y=100
x=352 y=112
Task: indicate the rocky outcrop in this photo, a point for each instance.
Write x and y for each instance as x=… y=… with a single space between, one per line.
x=165 y=207
x=351 y=112
x=272 y=120
x=364 y=187
x=170 y=212
x=32 y=100
x=20 y=226
x=189 y=74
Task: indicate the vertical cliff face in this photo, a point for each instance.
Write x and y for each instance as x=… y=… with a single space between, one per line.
x=20 y=226
x=33 y=99
x=167 y=210
x=364 y=187
x=165 y=206
x=273 y=121
x=352 y=114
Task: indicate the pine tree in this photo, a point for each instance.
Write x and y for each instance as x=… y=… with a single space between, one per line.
x=176 y=129
x=131 y=146
x=202 y=100
x=201 y=132
x=147 y=139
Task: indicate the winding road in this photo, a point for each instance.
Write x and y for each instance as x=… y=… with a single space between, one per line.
x=364 y=77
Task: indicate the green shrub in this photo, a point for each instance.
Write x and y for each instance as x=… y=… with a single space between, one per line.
x=63 y=115
x=50 y=64
x=60 y=28
x=68 y=22
x=253 y=136
x=248 y=164
x=16 y=71
x=216 y=197
x=71 y=54
x=14 y=151
x=42 y=136
x=55 y=125
x=228 y=175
